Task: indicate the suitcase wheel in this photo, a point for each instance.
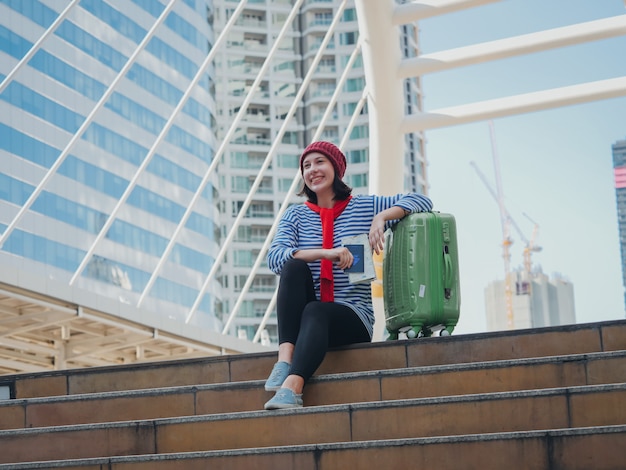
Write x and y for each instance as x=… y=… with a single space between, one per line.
x=417 y=331
x=412 y=331
x=447 y=330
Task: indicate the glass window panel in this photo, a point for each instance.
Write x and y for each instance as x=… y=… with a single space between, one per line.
x=64 y=73
x=115 y=19
x=13 y=190
x=42 y=107
x=118 y=274
x=90 y=45
x=35 y=10
x=154 y=84
x=354 y=84
x=203 y=225
x=27 y=147
x=154 y=7
x=114 y=143
x=172 y=57
x=171 y=291
x=136 y=237
x=155 y=204
x=41 y=249
x=192 y=259
x=70 y=212
x=288 y=161
x=359 y=132
x=349 y=14
x=12 y=44
x=358 y=156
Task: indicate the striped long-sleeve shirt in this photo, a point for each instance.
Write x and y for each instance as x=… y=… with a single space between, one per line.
x=301 y=229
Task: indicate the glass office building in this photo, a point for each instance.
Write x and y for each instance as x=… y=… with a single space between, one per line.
x=48 y=115
x=619 y=167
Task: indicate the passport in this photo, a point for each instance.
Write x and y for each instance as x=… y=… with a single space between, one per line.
x=358 y=251
x=362 y=270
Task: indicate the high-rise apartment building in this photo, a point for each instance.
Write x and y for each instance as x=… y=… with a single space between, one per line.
x=74 y=230
x=619 y=166
x=267 y=122
x=537 y=301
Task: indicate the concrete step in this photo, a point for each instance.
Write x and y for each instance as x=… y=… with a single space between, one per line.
x=597 y=448
x=353 y=387
x=541 y=398
x=560 y=408
x=516 y=344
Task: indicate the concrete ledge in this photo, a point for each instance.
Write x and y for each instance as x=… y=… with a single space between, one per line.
x=517 y=344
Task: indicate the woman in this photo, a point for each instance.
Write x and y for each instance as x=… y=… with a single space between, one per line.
x=317 y=306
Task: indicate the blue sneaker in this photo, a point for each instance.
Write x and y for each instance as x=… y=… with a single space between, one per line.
x=277 y=377
x=284 y=399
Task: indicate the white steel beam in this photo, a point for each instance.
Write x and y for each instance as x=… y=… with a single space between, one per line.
x=74 y=353
x=40 y=320
x=30 y=357
x=15 y=314
x=509 y=47
x=418 y=10
x=380 y=40
x=518 y=104
x=30 y=346
x=21 y=365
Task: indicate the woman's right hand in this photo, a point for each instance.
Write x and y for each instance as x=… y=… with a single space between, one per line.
x=341 y=256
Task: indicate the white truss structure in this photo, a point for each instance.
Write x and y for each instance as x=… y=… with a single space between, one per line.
x=59 y=328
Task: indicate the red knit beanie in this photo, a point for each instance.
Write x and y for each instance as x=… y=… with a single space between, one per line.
x=331 y=151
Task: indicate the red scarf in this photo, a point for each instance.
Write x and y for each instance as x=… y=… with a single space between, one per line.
x=328 y=216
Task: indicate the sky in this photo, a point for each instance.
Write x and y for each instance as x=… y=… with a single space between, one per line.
x=556 y=165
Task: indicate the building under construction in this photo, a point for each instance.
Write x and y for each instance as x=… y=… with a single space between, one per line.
x=536 y=301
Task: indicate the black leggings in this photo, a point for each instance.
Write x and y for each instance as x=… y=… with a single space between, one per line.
x=312 y=326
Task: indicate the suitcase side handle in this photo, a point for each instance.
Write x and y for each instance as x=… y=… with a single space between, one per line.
x=447 y=275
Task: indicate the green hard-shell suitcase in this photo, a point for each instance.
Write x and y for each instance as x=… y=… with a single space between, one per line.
x=421 y=275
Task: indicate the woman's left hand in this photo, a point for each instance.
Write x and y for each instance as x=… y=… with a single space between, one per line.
x=377 y=234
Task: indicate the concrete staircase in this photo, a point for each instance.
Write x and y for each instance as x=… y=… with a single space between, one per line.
x=551 y=398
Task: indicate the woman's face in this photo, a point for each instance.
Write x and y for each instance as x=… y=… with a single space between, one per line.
x=318 y=172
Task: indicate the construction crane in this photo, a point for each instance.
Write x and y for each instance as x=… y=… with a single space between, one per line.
x=506 y=221
x=530 y=246
x=506 y=236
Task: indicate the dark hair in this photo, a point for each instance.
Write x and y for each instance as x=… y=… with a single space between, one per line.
x=341 y=190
